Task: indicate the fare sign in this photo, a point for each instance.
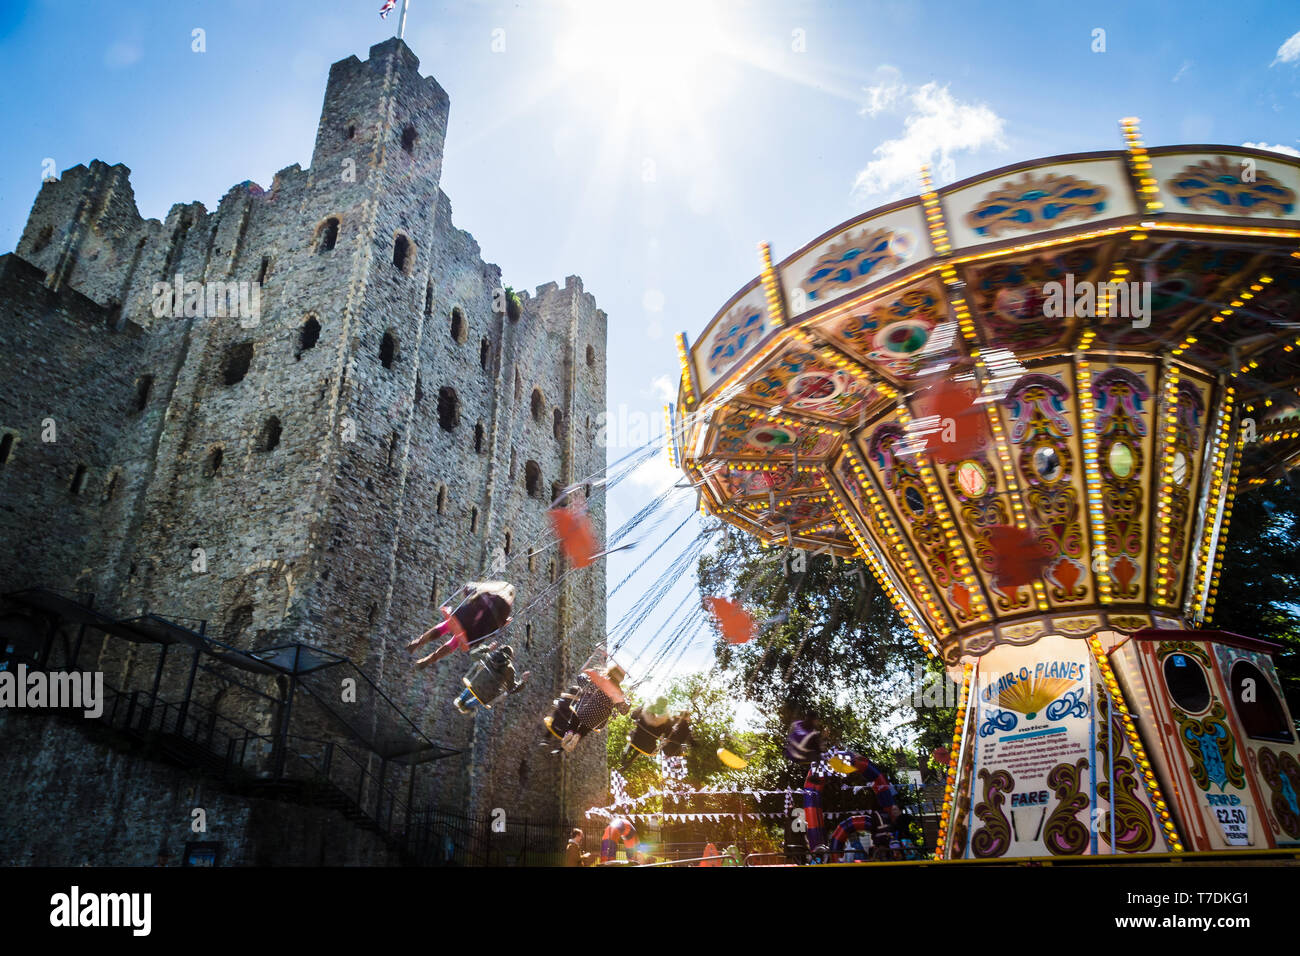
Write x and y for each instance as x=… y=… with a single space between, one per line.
x=1235 y=822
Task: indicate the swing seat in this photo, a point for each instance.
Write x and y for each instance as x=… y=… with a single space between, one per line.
x=481 y=701
x=840 y=765
x=729 y=759
x=561 y=721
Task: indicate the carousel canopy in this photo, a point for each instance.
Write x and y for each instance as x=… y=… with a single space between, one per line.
x=1025 y=399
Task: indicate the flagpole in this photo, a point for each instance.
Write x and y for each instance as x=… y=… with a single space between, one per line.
x=401 y=24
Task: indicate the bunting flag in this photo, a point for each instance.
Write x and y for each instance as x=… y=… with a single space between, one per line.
x=655 y=818
x=626 y=805
x=674 y=771
x=384 y=10
x=618 y=787
x=577 y=540
x=959 y=424
x=735 y=623
x=1018 y=556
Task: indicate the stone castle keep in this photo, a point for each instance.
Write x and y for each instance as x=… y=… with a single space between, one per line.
x=325 y=474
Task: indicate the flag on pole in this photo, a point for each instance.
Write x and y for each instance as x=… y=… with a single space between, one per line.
x=388 y=5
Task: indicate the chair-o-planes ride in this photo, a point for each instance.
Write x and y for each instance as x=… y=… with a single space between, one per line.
x=1027 y=401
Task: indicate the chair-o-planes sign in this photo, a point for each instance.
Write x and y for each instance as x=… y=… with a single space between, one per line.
x=1123 y=325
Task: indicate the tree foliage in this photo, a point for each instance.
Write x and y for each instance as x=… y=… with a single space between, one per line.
x=829 y=643
x=1259 y=591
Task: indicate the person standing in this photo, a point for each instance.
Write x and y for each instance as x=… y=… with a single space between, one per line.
x=620 y=828
x=573 y=853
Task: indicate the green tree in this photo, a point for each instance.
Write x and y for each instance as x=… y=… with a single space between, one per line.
x=829 y=643
x=1259 y=590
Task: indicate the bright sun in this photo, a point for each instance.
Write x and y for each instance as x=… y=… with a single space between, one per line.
x=649 y=56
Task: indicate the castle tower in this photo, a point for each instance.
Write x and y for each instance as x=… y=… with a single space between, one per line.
x=378 y=423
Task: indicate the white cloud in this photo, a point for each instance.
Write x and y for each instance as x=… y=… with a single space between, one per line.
x=1288 y=150
x=1288 y=52
x=655 y=473
x=885 y=94
x=1182 y=71
x=664 y=388
x=937 y=127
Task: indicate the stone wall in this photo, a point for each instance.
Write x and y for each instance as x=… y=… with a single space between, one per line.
x=331 y=469
x=73 y=799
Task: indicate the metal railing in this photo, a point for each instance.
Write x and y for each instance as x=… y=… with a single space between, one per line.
x=717 y=860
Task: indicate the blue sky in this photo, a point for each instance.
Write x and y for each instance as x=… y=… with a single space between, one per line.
x=646 y=147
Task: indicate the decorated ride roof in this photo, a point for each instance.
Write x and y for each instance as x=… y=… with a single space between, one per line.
x=1137 y=311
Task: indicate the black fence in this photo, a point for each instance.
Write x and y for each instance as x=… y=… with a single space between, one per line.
x=443 y=838
x=371 y=782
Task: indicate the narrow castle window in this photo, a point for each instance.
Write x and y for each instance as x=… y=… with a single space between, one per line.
x=457 y=325
x=6 y=447
x=402 y=253
x=387 y=350
x=419 y=389
x=507 y=543
x=433 y=590
x=448 y=408
x=309 y=335
x=327 y=234
x=483 y=349
x=263 y=269
x=591 y=356
x=238 y=358
x=239 y=621
x=550 y=570
x=528 y=646
x=78 y=480
x=143 y=386
x=478 y=438
x=473 y=520
x=270 y=435
x=442 y=500
x=392 y=447
x=538 y=404
x=215 y=457
x=558 y=427
x=428 y=298
x=110 y=490
x=409 y=137
x=533 y=478
x=43 y=239
x=351 y=131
